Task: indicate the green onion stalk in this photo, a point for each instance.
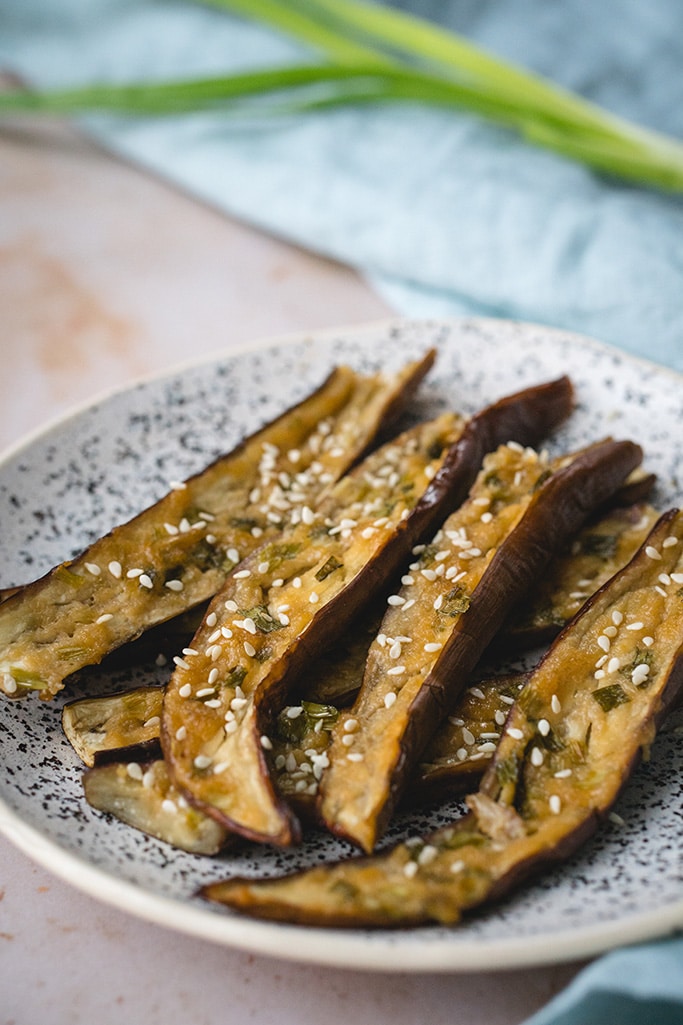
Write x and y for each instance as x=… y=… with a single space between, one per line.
x=367 y=53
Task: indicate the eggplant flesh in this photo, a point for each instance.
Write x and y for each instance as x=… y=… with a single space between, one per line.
x=142 y=796
x=455 y=597
x=587 y=715
x=290 y=600
x=177 y=553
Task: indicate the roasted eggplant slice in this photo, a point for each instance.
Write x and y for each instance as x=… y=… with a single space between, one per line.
x=588 y=713
x=119 y=727
x=293 y=597
x=178 y=552
x=453 y=600
x=596 y=554
x=142 y=796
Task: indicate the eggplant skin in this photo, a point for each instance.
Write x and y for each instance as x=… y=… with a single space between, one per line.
x=561 y=763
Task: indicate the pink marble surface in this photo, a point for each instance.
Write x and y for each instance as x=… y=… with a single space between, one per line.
x=106 y=275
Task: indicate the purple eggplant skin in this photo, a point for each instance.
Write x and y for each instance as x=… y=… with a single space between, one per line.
x=558 y=509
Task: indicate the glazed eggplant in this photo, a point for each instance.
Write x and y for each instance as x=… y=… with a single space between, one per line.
x=454 y=598
x=591 y=558
x=143 y=796
x=583 y=721
x=118 y=727
x=295 y=596
x=177 y=553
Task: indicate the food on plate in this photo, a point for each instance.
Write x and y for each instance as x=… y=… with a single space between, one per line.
x=142 y=795
x=454 y=598
x=586 y=716
x=178 y=552
x=294 y=596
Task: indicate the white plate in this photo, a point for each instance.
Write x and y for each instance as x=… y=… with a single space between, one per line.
x=71 y=483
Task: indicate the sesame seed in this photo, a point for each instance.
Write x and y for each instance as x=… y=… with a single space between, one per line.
x=610 y=631
x=395 y=650
x=231 y=727
x=134 y=771
x=296 y=582
x=214 y=637
x=184 y=525
x=477 y=692
x=562 y=774
x=677 y=578
x=555 y=804
x=428 y=574
x=488 y=747
x=133 y=573
x=242 y=574
x=468 y=736
x=294 y=711
x=355 y=756
x=202 y=762
x=395 y=600
x=283 y=618
x=616 y=819
x=665 y=579
x=389 y=699
x=93 y=569
x=180 y=662
x=114 y=568
x=256 y=531
x=181 y=733
x=604 y=643
x=537 y=756
x=174 y=585
x=500 y=717
x=266 y=743
x=640 y=674
x=635 y=626
x=410 y=869
x=407 y=580
x=432 y=646
x=438 y=602
x=555 y=704
x=613 y=665
x=314 y=597
x=515 y=733
x=648 y=641
x=367 y=533
x=104 y=618
x=215 y=652
x=660 y=590
x=348 y=739
x=204 y=692
x=249 y=625
x=427 y=854
x=226 y=632
x=351 y=725
x=396 y=671
x=146 y=581
x=249 y=649
x=457 y=866
x=599 y=675
x=617 y=617
x=185 y=690
x=543 y=727
x=652 y=553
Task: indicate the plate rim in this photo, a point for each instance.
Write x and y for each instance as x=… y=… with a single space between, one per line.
x=342 y=949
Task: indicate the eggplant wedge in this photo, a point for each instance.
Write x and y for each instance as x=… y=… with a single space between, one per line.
x=143 y=796
x=294 y=597
x=118 y=727
x=455 y=597
x=178 y=552
x=595 y=555
x=588 y=714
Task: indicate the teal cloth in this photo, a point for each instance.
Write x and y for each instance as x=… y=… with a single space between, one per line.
x=443 y=213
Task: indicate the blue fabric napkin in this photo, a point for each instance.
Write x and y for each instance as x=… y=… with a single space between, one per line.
x=443 y=213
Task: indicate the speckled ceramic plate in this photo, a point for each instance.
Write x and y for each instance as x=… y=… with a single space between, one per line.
x=71 y=483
